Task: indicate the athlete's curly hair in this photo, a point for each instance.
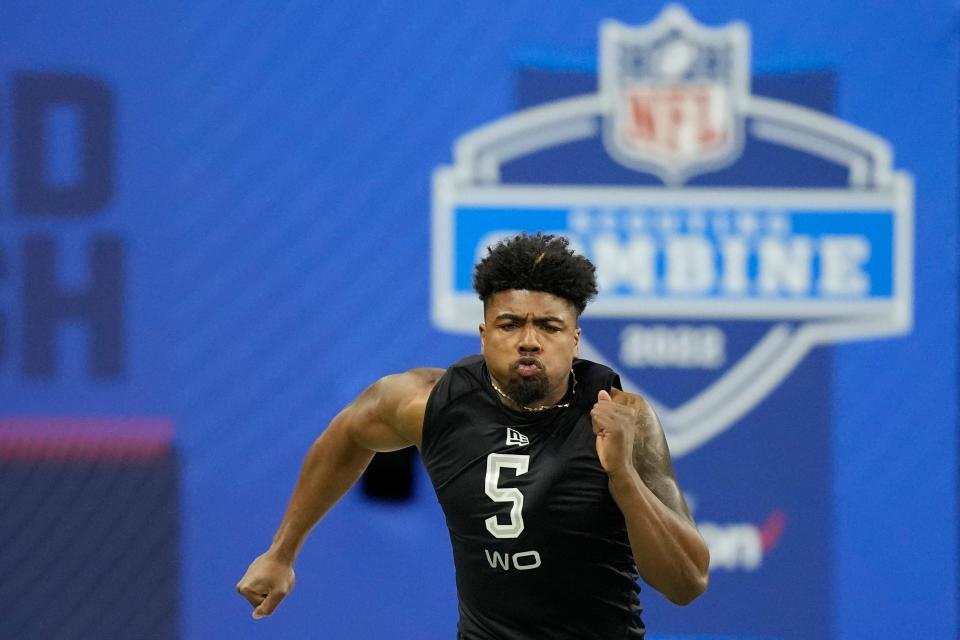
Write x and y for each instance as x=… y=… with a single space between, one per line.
x=537 y=262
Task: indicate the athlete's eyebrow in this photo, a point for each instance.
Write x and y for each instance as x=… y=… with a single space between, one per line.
x=539 y=320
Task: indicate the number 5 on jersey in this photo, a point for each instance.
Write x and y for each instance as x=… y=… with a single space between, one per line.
x=520 y=464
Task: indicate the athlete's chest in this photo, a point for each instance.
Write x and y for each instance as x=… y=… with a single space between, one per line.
x=508 y=481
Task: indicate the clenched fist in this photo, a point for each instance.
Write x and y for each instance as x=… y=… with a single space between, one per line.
x=615 y=425
x=266 y=582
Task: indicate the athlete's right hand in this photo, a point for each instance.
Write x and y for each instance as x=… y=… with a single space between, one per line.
x=267 y=581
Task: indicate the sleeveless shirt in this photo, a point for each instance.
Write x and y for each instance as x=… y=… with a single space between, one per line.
x=540 y=547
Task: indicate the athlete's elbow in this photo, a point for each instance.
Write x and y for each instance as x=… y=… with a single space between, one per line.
x=688 y=590
x=690 y=581
x=694 y=578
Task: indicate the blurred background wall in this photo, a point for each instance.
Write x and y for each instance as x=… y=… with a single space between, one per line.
x=217 y=229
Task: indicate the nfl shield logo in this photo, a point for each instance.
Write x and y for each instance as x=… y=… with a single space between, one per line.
x=673 y=94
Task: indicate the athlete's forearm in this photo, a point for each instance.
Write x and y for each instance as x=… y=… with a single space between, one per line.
x=333 y=465
x=669 y=552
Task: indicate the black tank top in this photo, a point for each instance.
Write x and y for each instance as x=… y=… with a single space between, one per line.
x=539 y=545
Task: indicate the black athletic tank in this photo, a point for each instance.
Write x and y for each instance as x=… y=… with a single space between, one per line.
x=539 y=545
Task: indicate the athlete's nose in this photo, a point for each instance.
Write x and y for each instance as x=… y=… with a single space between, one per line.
x=529 y=342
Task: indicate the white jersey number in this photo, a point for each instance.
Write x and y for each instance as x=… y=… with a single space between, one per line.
x=496 y=462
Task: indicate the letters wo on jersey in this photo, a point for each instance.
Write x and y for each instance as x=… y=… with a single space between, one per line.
x=720 y=290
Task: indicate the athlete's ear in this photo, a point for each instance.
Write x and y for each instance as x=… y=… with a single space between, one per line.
x=576 y=343
x=482 y=328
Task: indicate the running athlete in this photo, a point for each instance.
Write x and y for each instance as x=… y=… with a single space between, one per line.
x=557 y=486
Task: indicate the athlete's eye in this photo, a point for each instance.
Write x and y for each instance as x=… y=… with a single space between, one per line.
x=508 y=327
x=551 y=329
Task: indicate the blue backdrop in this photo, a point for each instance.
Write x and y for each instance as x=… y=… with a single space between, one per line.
x=244 y=190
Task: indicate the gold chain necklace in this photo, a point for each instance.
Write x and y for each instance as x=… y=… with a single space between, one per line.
x=542 y=407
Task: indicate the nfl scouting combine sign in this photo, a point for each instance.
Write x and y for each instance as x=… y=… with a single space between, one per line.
x=732 y=233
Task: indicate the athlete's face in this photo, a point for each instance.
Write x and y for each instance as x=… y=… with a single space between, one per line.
x=529 y=340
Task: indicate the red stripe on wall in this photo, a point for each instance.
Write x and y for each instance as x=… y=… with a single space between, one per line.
x=85 y=439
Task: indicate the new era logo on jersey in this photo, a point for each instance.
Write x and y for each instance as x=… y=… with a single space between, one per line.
x=515 y=438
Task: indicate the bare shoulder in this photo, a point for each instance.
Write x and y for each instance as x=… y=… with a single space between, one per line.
x=411 y=387
x=427 y=376
x=403 y=397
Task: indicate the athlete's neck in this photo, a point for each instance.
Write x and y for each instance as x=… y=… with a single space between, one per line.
x=559 y=404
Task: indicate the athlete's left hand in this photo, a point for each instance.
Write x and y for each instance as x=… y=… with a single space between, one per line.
x=615 y=425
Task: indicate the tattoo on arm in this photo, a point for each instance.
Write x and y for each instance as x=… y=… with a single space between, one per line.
x=651 y=458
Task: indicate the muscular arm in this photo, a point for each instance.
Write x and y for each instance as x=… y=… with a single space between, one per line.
x=386 y=417
x=669 y=552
